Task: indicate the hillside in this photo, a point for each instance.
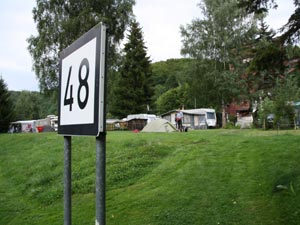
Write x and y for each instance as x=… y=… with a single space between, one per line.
x=195 y=178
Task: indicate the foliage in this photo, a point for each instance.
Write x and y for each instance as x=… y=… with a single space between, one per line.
x=284 y=114
x=279 y=103
x=203 y=83
x=286 y=92
x=6 y=109
x=266 y=64
x=272 y=73
x=170 y=74
x=266 y=108
x=223 y=176
x=30 y=105
x=236 y=60
x=133 y=90
x=258 y=6
x=268 y=56
x=174 y=99
x=59 y=23
x=223 y=29
x=171 y=77
x=290 y=32
x=27 y=105
x=217 y=41
x=293 y=52
x=287 y=89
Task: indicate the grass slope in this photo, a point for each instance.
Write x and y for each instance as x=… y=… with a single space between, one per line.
x=195 y=178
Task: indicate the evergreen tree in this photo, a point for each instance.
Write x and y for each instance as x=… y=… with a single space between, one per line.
x=133 y=89
x=265 y=63
x=6 y=109
x=289 y=32
x=264 y=33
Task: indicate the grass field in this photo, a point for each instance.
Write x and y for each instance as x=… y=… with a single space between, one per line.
x=206 y=177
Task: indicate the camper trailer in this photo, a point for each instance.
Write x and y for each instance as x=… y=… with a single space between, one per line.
x=201 y=118
x=208 y=118
x=22 y=126
x=41 y=125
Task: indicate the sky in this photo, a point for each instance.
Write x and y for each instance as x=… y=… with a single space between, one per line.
x=159 y=19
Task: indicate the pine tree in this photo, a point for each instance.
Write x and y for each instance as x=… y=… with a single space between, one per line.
x=6 y=109
x=133 y=89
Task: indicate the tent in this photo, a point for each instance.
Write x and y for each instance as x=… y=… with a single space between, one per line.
x=159 y=125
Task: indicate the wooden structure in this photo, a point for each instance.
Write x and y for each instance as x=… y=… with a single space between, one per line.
x=136 y=124
x=115 y=124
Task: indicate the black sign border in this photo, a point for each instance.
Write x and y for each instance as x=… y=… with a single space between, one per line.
x=83 y=129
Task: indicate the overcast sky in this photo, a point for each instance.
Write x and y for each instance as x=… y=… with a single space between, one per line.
x=159 y=19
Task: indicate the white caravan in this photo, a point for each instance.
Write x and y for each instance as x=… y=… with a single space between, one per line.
x=203 y=118
x=208 y=117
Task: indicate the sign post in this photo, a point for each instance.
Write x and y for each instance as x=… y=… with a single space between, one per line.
x=82 y=108
x=100 y=178
x=67 y=181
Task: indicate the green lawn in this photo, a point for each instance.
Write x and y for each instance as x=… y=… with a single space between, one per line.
x=195 y=178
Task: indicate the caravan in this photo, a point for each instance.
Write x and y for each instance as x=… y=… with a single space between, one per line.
x=201 y=118
x=208 y=118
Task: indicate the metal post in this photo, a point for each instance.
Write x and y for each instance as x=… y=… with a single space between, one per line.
x=100 y=178
x=67 y=181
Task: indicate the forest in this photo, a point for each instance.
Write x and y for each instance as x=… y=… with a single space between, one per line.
x=228 y=55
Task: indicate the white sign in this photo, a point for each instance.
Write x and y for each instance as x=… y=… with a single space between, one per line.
x=77 y=87
x=82 y=73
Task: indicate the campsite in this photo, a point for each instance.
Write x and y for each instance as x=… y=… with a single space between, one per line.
x=204 y=132
x=200 y=177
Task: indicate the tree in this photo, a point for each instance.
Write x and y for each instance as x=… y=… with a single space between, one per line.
x=290 y=31
x=285 y=92
x=173 y=99
x=133 y=89
x=269 y=64
x=217 y=41
x=265 y=64
x=266 y=109
x=270 y=52
x=31 y=105
x=27 y=105
x=220 y=34
x=6 y=109
x=60 y=22
x=171 y=74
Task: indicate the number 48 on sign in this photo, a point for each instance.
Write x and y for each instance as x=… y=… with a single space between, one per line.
x=83 y=82
x=82 y=73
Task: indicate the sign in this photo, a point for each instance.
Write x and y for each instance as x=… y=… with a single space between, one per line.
x=81 y=85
